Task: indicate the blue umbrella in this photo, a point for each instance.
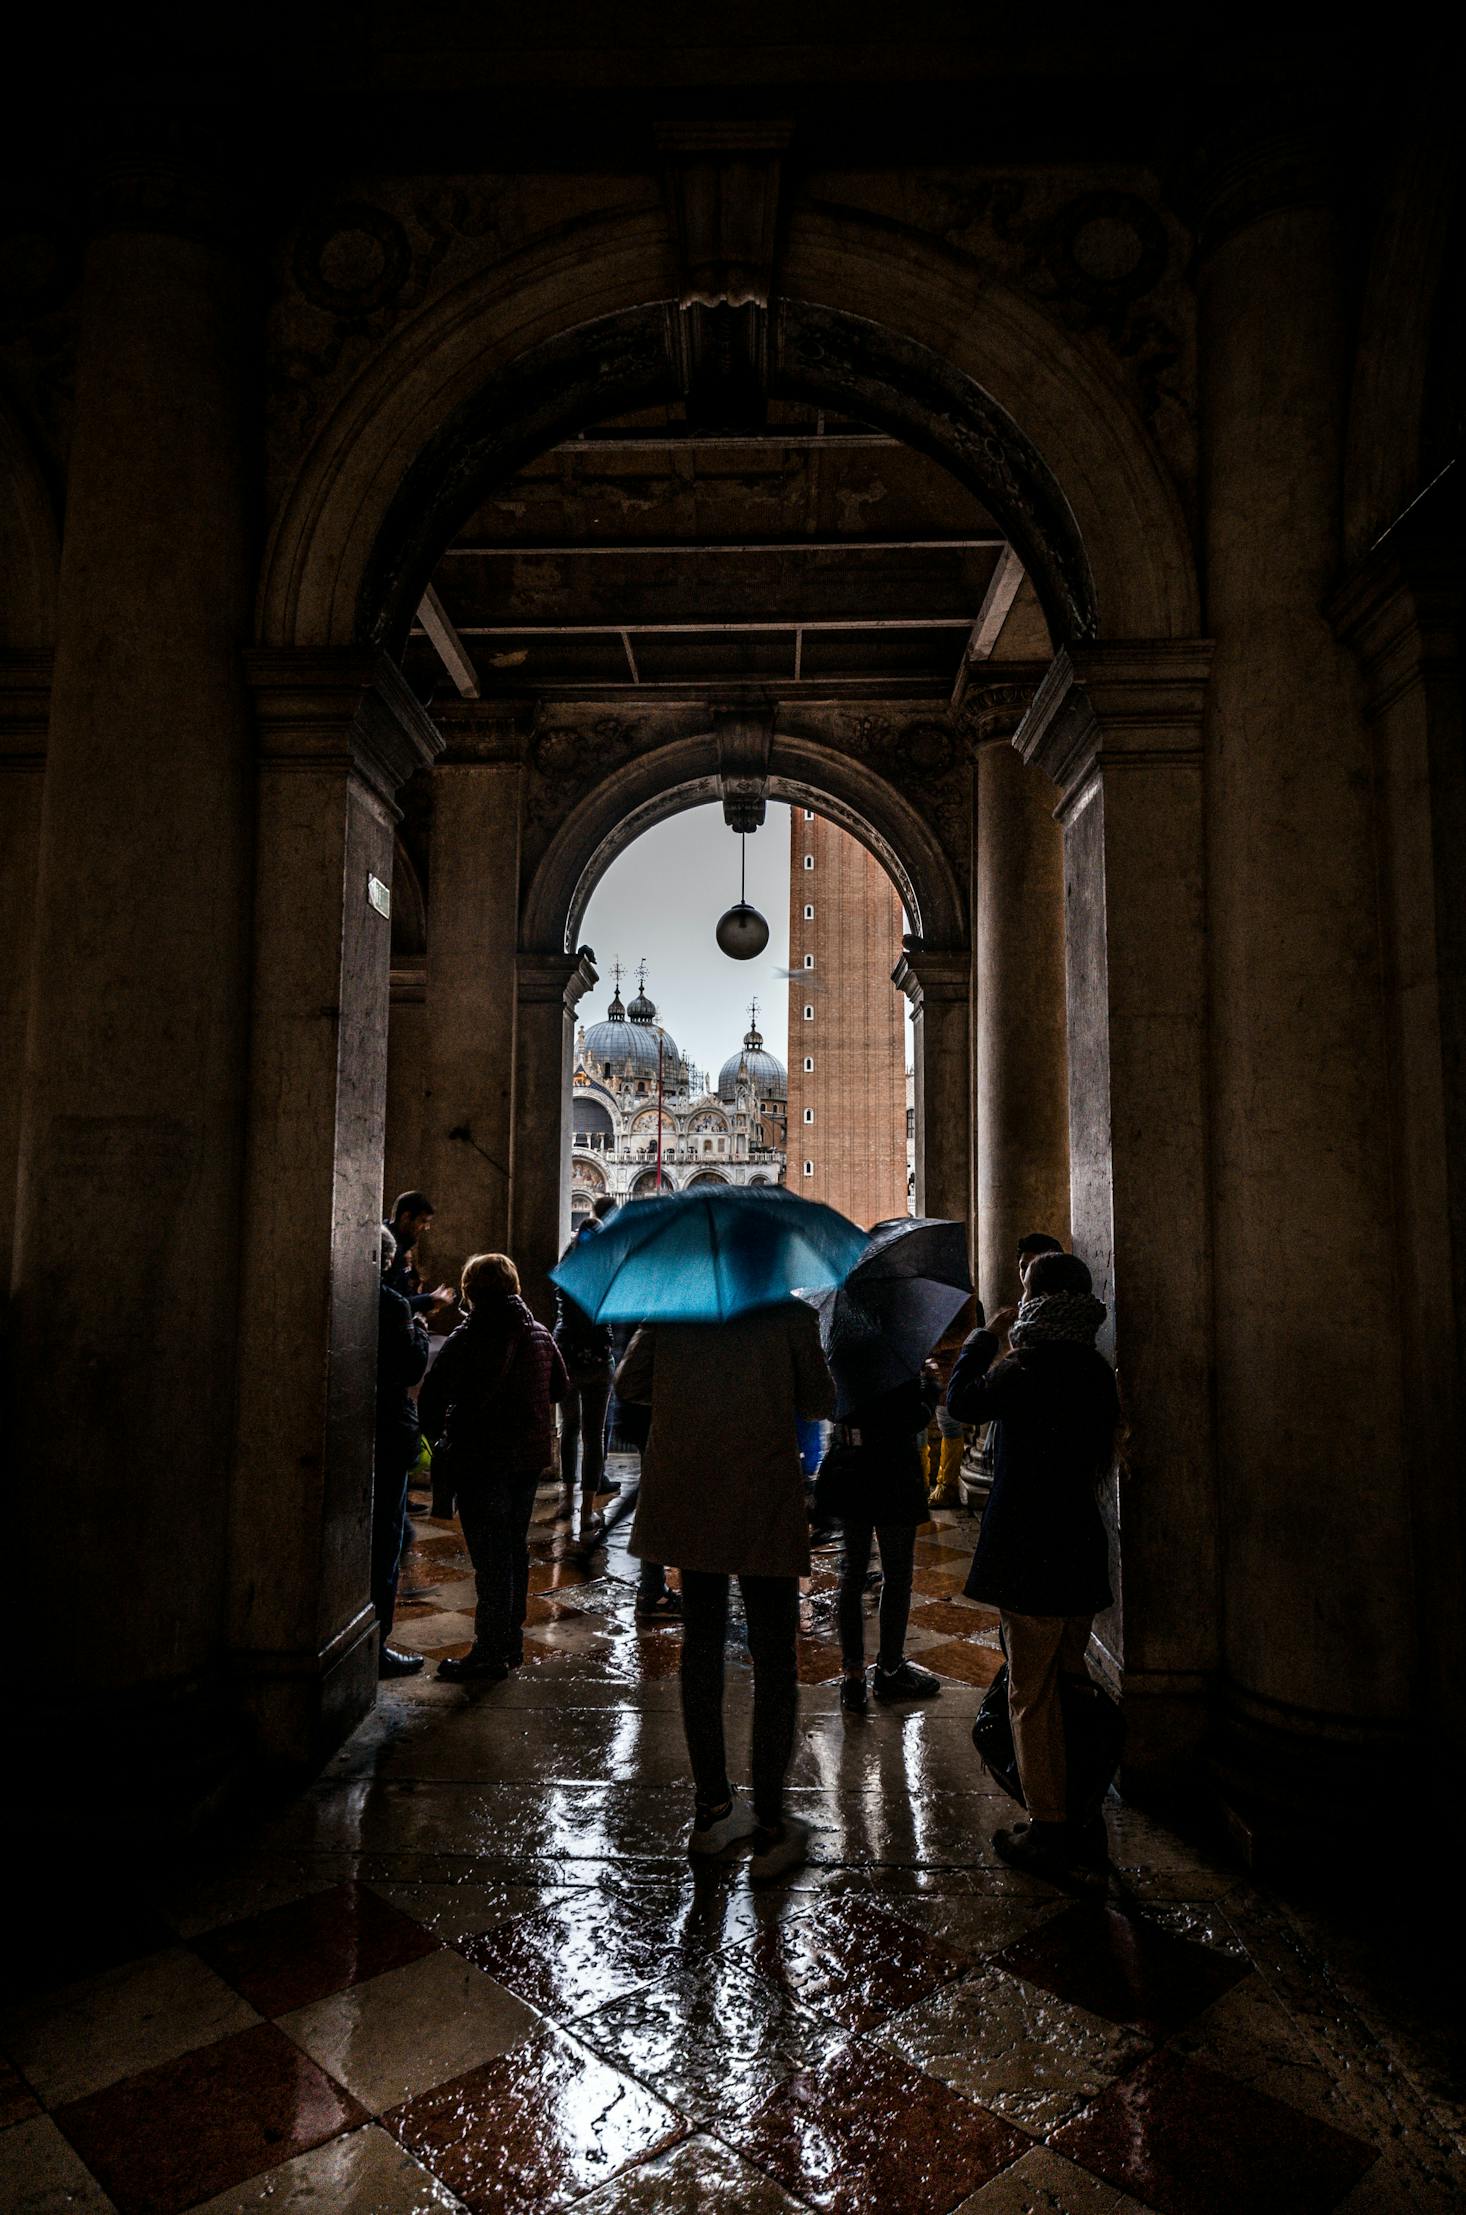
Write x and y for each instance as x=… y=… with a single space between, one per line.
x=706 y=1255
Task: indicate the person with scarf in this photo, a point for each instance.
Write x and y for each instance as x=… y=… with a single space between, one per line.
x=488 y=1405
x=1042 y=1555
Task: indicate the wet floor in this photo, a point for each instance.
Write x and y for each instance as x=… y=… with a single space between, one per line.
x=471 y=1969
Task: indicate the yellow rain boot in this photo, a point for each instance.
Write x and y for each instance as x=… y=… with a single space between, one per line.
x=945 y=1493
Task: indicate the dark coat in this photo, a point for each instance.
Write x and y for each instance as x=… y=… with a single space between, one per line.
x=890 y=1474
x=721 y=1484
x=492 y=1391
x=402 y=1356
x=585 y=1347
x=1043 y=1549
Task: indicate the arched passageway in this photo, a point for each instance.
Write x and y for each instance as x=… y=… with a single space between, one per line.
x=947 y=329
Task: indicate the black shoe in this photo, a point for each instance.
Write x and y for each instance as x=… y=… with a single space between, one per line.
x=392 y=1663
x=608 y=1488
x=852 y=1693
x=1091 y=1841
x=905 y=1683
x=1042 y=1849
x=474 y=1668
x=662 y=1607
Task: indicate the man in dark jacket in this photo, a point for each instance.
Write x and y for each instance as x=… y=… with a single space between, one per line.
x=491 y=1396
x=1042 y=1556
x=402 y=1357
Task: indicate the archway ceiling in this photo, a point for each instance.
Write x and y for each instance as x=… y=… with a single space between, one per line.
x=815 y=559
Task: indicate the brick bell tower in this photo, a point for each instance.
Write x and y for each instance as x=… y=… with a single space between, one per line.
x=847 y=1030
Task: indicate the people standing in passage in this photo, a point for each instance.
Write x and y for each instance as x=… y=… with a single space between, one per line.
x=884 y=1438
x=488 y=1405
x=412 y=1212
x=1030 y=1246
x=585 y=1349
x=722 y=1495
x=1042 y=1555
x=402 y=1357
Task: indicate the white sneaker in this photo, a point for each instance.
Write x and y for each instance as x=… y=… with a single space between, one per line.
x=716 y=1837
x=787 y=1851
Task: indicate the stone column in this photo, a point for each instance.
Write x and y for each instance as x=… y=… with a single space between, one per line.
x=474 y=928
x=548 y=989
x=1118 y=729
x=405 y=1141
x=339 y=731
x=1401 y=612
x=1022 y=1058
x=1318 y=1607
x=126 y=1239
x=939 y=987
x=25 y=698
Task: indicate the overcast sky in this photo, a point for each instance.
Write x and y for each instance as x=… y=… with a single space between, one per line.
x=661 y=898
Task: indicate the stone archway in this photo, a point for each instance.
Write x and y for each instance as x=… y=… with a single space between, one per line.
x=889 y=326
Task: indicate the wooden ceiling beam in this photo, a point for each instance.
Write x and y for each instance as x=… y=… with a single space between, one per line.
x=997 y=603
x=437 y=625
x=551 y=551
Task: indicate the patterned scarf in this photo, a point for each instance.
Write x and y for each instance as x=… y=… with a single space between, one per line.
x=1058 y=1319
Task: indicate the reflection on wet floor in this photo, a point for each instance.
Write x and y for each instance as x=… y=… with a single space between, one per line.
x=472 y=1969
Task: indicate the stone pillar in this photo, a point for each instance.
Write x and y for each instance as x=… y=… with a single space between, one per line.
x=339 y=731
x=1118 y=729
x=126 y=1240
x=1401 y=611
x=548 y=989
x=25 y=698
x=939 y=987
x=474 y=928
x=1315 y=1524
x=405 y=1141
x=1022 y=1058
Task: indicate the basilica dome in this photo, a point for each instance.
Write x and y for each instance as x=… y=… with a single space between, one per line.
x=626 y=1042
x=767 y=1073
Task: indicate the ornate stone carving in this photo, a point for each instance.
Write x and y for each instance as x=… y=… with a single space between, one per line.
x=1107 y=247
x=352 y=260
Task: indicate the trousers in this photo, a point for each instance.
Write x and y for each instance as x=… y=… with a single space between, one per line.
x=1040 y=1650
x=583 y=1432
x=495 y=1514
x=395 y=1457
x=771 y=1607
x=897 y=1542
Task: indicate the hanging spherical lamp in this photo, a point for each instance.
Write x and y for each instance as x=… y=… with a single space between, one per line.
x=742 y=932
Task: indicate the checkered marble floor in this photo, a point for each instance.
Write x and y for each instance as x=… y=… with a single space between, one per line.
x=472 y=1969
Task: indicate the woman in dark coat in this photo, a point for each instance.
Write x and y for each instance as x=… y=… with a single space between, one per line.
x=488 y=1405
x=880 y=1449
x=1043 y=1553
x=585 y=1349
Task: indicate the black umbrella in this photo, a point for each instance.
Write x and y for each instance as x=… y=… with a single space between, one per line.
x=878 y=1327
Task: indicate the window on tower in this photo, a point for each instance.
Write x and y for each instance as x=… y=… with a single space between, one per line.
x=808 y=1012
x=809 y=861
x=809 y=1065
x=809 y=1115
x=809 y=815
x=809 y=1169
x=808 y=912
x=809 y=961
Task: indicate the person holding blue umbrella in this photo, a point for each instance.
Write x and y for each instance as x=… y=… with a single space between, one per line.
x=727 y=1361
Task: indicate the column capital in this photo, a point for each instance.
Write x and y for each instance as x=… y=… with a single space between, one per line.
x=541 y=979
x=25 y=709
x=1133 y=703
x=995 y=703
x=931 y=973
x=477 y=733
x=344 y=708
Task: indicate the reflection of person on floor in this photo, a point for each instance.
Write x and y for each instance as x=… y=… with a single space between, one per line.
x=585 y=1349
x=402 y=1356
x=1042 y=1554
x=886 y=1435
x=488 y=1405
x=722 y=1495
x=628 y=1427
